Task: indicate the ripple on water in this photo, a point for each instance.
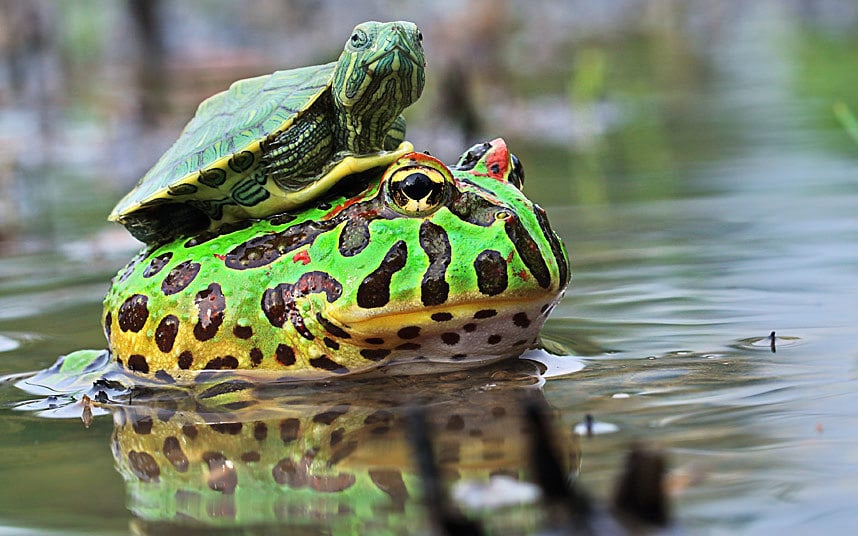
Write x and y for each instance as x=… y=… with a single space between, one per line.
x=8 y=344
x=770 y=342
x=555 y=365
x=591 y=427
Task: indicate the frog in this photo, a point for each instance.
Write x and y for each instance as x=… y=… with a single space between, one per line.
x=417 y=267
x=428 y=265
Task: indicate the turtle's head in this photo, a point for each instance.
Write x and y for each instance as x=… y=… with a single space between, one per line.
x=380 y=71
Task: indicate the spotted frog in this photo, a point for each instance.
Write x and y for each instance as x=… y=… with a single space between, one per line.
x=428 y=265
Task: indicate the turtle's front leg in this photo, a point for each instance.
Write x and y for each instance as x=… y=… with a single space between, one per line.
x=297 y=156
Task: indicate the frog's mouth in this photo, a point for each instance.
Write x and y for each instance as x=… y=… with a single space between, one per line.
x=464 y=331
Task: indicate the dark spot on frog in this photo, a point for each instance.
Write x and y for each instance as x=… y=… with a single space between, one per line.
x=211 y=305
x=521 y=320
x=287 y=472
x=186 y=359
x=494 y=339
x=227 y=428
x=108 y=322
x=242 y=332
x=190 y=431
x=133 y=313
x=260 y=431
x=225 y=362
x=339 y=453
x=441 y=317
x=284 y=355
x=528 y=251
x=289 y=430
x=326 y=363
x=340 y=482
x=455 y=423
x=410 y=332
x=250 y=456
x=180 y=277
x=143 y=425
x=390 y=482
x=129 y=268
x=137 y=363
x=327 y=417
x=491 y=269
x=255 y=357
x=226 y=228
x=380 y=416
x=165 y=333
x=157 y=264
x=408 y=346
x=222 y=475
x=450 y=338
x=330 y=343
x=374 y=290
x=374 y=340
x=175 y=455
x=485 y=313
x=279 y=305
x=469 y=328
x=375 y=355
x=434 y=288
x=144 y=466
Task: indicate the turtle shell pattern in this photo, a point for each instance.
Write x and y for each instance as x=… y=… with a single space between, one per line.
x=215 y=161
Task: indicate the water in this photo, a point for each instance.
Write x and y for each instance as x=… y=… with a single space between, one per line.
x=713 y=202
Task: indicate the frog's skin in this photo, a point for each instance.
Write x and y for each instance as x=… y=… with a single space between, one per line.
x=280 y=455
x=429 y=264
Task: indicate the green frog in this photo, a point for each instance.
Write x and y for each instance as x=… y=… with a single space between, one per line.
x=429 y=266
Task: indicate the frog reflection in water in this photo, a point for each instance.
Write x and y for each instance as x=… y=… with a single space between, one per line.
x=276 y=455
x=430 y=265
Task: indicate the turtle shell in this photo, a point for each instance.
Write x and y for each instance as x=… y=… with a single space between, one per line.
x=214 y=166
x=222 y=141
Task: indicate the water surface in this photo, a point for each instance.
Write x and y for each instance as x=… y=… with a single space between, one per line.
x=714 y=203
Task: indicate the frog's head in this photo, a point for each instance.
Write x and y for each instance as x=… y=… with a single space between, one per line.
x=448 y=264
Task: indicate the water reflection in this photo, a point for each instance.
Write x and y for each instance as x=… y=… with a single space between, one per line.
x=330 y=456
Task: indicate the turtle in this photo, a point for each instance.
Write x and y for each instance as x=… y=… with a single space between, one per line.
x=272 y=143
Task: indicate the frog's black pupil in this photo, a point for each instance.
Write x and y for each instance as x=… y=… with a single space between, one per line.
x=417 y=186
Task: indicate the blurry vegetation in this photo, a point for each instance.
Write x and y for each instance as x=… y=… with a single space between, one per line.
x=826 y=77
x=603 y=102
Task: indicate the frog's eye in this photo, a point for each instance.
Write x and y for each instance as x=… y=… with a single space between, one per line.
x=358 y=40
x=417 y=190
